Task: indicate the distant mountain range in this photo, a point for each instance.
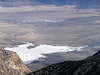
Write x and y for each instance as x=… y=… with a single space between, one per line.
x=80 y=3
x=89 y=66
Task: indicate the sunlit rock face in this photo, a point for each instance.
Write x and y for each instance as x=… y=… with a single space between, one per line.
x=11 y=64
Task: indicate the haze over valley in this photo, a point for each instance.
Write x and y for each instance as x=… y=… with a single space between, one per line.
x=55 y=23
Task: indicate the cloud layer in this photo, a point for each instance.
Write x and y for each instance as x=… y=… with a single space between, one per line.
x=29 y=55
x=35 y=8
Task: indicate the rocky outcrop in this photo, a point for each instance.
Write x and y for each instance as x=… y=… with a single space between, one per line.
x=96 y=55
x=11 y=64
x=90 y=66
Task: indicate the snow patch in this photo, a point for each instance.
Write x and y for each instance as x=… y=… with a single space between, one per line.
x=29 y=55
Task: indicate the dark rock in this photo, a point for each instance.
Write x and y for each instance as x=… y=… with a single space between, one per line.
x=96 y=55
x=90 y=66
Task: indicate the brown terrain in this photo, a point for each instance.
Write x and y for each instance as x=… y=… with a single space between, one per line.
x=11 y=64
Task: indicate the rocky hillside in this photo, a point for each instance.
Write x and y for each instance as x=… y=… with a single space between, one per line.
x=11 y=64
x=96 y=55
x=90 y=66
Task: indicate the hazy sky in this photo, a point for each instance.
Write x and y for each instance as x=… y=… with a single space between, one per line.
x=41 y=22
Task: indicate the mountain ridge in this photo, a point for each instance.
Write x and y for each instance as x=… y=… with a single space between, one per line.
x=11 y=64
x=90 y=66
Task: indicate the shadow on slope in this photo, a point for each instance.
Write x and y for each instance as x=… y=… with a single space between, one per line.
x=89 y=66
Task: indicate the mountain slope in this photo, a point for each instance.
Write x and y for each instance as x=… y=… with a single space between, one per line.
x=11 y=64
x=96 y=55
x=90 y=66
